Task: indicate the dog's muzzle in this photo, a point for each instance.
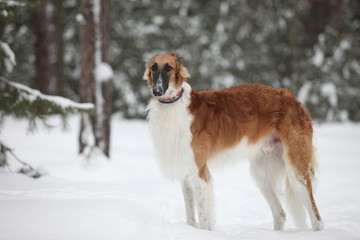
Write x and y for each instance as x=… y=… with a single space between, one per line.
x=158 y=88
x=158 y=91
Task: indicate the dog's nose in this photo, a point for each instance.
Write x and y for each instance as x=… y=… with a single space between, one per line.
x=157 y=92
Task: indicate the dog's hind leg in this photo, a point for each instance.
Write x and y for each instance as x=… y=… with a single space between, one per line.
x=267 y=169
x=302 y=186
x=295 y=204
x=300 y=164
x=301 y=183
x=189 y=200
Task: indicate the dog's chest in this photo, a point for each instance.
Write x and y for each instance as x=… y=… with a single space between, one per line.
x=170 y=131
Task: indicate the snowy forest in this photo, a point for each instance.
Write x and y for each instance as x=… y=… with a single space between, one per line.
x=75 y=150
x=311 y=47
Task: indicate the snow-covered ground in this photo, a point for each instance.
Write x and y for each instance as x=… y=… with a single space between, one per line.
x=128 y=198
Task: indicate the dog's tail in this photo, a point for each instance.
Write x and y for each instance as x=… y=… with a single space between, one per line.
x=295 y=205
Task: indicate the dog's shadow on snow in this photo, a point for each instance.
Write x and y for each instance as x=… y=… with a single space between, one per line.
x=239 y=231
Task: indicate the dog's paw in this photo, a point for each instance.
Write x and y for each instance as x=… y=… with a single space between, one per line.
x=279 y=223
x=192 y=223
x=318 y=225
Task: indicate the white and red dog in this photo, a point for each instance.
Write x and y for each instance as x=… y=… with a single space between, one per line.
x=190 y=130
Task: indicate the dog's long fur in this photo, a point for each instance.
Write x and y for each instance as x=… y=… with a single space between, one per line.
x=267 y=126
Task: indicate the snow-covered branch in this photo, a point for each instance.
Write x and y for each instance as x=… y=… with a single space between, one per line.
x=12 y=3
x=32 y=95
x=22 y=102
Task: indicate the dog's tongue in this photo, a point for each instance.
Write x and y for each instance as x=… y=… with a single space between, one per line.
x=172 y=94
x=168 y=96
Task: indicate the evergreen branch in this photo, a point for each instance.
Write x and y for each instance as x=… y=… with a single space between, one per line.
x=12 y=3
x=20 y=101
x=57 y=100
x=7 y=149
x=27 y=169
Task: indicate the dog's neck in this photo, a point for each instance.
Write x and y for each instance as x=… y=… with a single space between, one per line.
x=172 y=99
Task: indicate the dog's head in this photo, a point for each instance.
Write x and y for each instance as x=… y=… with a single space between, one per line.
x=165 y=74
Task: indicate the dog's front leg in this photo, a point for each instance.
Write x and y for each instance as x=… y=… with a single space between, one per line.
x=203 y=191
x=189 y=201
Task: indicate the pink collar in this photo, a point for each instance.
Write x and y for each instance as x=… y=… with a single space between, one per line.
x=172 y=99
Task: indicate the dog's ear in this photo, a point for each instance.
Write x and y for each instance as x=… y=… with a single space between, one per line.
x=182 y=74
x=147 y=74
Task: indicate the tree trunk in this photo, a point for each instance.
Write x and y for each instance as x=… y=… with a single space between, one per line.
x=58 y=64
x=2 y=27
x=42 y=63
x=94 y=50
x=315 y=21
x=87 y=62
x=106 y=85
x=293 y=40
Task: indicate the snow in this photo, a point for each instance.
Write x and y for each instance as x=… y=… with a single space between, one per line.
x=158 y=20
x=318 y=58
x=340 y=50
x=33 y=94
x=10 y=61
x=12 y=3
x=356 y=67
x=329 y=90
x=224 y=8
x=303 y=93
x=4 y=13
x=80 y=18
x=103 y=72
x=96 y=11
x=128 y=198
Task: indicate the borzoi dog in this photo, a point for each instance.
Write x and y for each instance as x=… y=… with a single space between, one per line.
x=190 y=130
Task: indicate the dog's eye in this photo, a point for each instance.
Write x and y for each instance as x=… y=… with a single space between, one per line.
x=154 y=67
x=168 y=68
